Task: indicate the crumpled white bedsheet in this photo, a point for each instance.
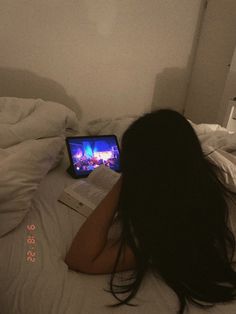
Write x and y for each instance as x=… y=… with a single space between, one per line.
x=23 y=119
x=31 y=143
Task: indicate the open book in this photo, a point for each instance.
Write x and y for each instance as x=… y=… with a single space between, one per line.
x=85 y=194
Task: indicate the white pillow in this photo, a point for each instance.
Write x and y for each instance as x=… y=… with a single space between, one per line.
x=22 y=167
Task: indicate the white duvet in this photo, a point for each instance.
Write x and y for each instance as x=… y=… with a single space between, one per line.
x=24 y=119
x=30 y=183
x=31 y=143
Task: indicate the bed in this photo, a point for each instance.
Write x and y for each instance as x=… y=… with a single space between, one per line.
x=36 y=230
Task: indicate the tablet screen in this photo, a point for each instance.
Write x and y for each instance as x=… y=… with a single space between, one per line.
x=89 y=152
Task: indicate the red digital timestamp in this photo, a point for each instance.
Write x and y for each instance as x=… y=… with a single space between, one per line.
x=31 y=241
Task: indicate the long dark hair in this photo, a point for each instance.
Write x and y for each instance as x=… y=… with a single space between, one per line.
x=174 y=214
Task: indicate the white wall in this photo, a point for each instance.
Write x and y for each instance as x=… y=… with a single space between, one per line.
x=229 y=93
x=105 y=56
x=214 y=54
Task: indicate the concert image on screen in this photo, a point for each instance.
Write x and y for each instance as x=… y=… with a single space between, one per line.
x=89 y=153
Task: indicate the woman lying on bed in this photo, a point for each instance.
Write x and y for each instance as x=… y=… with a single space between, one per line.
x=173 y=211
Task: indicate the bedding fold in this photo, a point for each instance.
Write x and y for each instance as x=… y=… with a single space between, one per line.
x=31 y=144
x=23 y=119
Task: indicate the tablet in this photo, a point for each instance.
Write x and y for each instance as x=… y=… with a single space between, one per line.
x=89 y=152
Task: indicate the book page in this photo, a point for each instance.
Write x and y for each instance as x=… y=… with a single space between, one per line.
x=103 y=177
x=73 y=203
x=87 y=193
x=92 y=190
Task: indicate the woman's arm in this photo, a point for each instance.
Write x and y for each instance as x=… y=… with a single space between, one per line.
x=90 y=251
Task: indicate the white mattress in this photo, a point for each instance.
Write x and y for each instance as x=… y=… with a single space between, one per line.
x=46 y=286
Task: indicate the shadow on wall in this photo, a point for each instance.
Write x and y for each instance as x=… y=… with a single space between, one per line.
x=229 y=94
x=26 y=84
x=170 y=89
x=171 y=85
